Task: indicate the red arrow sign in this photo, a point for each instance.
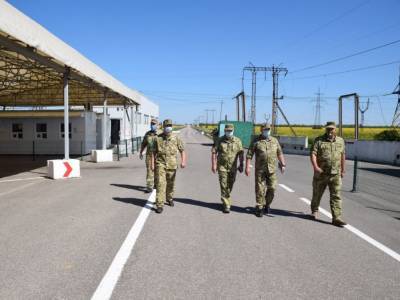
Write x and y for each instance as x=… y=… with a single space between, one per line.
x=69 y=169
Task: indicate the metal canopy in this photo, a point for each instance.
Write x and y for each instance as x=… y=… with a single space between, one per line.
x=33 y=62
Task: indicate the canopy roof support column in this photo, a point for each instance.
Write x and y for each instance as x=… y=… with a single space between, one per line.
x=66 y=113
x=104 y=124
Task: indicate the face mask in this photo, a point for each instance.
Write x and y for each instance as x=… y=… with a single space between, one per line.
x=228 y=133
x=168 y=129
x=153 y=127
x=266 y=133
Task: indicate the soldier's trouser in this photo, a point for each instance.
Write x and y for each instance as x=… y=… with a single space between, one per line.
x=165 y=184
x=334 y=182
x=150 y=173
x=265 y=181
x=226 y=181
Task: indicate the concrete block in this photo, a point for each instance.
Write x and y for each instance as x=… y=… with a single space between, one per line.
x=63 y=168
x=102 y=155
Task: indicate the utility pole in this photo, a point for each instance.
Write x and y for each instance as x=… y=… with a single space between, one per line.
x=213 y=111
x=317 y=119
x=362 y=111
x=240 y=98
x=220 y=110
x=396 y=115
x=275 y=83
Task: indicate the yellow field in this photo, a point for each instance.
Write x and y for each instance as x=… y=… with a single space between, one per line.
x=348 y=133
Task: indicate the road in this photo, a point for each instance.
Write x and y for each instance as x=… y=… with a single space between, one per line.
x=59 y=238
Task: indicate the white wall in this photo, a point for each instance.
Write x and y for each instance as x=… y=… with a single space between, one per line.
x=83 y=135
x=374 y=151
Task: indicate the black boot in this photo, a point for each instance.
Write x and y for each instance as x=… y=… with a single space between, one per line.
x=159 y=210
x=259 y=212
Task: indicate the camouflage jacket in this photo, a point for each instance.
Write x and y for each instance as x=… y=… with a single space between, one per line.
x=148 y=141
x=329 y=153
x=266 y=151
x=228 y=151
x=166 y=148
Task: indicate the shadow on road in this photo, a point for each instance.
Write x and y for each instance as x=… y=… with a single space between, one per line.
x=388 y=210
x=389 y=172
x=215 y=206
x=134 y=201
x=131 y=187
x=295 y=214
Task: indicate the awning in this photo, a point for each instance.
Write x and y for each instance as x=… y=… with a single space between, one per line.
x=33 y=62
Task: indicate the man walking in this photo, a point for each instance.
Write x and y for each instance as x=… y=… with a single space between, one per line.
x=225 y=154
x=164 y=161
x=148 y=144
x=268 y=151
x=328 y=161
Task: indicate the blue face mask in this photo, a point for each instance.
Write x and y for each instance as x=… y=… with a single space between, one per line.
x=229 y=133
x=168 y=129
x=266 y=133
x=153 y=127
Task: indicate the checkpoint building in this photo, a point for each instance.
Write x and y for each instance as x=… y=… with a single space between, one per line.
x=45 y=84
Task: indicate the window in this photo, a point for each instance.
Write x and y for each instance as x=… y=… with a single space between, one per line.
x=146 y=119
x=139 y=118
x=17 y=131
x=62 y=135
x=41 y=131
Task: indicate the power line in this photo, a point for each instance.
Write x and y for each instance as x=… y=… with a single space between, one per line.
x=347 y=71
x=330 y=22
x=345 y=57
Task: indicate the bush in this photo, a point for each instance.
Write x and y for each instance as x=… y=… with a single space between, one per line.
x=388 y=135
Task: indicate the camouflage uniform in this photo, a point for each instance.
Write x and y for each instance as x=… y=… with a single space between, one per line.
x=166 y=148
x=267 y=152
x=328 y=153
x=148 y=143
x=228 y=151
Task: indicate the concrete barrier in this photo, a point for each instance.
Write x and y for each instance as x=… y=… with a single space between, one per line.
x=102 y=155
x=63 y=168
x=384 y=152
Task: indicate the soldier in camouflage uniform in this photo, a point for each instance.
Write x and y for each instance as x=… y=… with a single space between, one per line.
x=267 y=151
x=225 y=154
x=164 y=161
x=328 y=161
x=148 y=144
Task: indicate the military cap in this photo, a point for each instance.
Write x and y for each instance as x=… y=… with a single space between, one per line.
x=154 y=121
x=330 y=124
x=266 y=126
x=229 y=127
x=167 y=122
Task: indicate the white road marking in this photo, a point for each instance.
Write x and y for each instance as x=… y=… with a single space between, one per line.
x=17 y=189
x=360 y=234
x=22 y=179
x=286 y=188
x=110 y=279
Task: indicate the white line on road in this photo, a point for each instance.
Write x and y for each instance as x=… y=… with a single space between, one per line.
x=286 y=188
x=360 y=234
x=110 y=279
x=17 y=189
x=22 y=179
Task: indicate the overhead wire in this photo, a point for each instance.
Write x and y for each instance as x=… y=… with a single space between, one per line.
x=345 y=57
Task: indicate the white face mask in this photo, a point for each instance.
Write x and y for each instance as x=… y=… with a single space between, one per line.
x=168 y=129
x=229 y=133
x=266 y=133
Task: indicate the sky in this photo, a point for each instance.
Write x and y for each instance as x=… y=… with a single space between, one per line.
x=188 y=56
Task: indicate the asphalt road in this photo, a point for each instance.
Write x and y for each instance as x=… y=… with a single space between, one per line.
x=58 y=238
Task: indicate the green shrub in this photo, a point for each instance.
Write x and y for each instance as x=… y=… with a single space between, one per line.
x=388 y=135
